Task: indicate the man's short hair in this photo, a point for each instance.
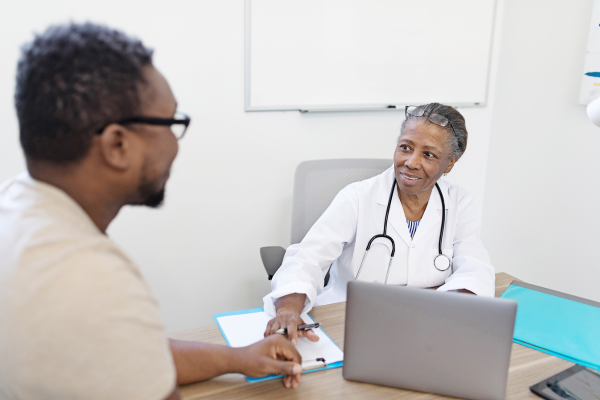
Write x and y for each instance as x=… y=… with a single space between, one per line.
x=73 y=80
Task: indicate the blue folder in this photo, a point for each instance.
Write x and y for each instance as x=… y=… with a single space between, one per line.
x=556 y=323
x=264 y=378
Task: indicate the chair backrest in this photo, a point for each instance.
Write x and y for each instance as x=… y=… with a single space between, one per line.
x=317 y=182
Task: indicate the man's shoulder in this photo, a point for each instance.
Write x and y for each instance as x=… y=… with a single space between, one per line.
x=40 y=220
x=50 y=249
x=27 y=204
x=67 y=274
x=81 y=304
x=70 y=298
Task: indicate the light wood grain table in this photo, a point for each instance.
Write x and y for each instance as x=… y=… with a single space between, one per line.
x=527 y=367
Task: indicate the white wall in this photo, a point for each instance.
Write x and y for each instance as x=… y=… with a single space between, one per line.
x=231 y=186
x=542 y=198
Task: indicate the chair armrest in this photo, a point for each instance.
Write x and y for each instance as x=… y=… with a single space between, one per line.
x=272 y=257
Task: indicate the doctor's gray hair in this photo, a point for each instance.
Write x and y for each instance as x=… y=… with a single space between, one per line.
x=457 y=137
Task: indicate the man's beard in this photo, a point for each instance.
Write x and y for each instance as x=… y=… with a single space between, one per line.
x=150 y=196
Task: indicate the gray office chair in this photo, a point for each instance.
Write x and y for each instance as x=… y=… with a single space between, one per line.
x=316 y=183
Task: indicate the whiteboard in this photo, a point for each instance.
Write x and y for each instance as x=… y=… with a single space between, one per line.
x=326 y=55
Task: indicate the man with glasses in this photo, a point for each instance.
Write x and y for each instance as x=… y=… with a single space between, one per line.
x=99 y=128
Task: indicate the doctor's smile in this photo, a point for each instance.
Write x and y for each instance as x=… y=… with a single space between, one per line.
x=410 y=177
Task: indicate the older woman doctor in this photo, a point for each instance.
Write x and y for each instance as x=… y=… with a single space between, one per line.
x=404 y=202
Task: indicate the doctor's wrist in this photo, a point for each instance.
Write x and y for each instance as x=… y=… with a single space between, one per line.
x=293 y=302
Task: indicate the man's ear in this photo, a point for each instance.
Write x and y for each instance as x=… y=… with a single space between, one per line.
x=451 y=165
x=115 y=147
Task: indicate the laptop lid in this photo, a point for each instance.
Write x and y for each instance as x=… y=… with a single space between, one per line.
x=451 y=344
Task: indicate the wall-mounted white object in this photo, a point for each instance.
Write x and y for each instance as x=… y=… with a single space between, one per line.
x=593 y=111
x=590 y=82
x=334 y=55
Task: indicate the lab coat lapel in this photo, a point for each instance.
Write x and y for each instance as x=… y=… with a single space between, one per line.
x=432 y=218
x=396 y=220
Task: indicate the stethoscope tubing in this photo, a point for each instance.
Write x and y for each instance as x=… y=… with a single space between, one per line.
x=387 y=214
x=386 y=236
x=443 y=218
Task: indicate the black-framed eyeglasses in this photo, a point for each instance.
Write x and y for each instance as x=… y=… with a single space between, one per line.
x=437 y=119
x=178 y=124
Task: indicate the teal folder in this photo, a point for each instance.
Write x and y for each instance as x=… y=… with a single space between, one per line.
x=264 y=378
x=556 y=323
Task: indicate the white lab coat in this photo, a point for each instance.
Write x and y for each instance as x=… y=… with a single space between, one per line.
x=357 y=213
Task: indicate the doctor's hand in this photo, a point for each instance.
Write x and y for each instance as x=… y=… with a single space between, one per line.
x=288 y=316
x=273 y=355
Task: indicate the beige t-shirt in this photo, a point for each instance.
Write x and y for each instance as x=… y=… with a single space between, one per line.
x=77 y=320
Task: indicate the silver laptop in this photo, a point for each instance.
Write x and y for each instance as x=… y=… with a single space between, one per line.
x=451 y=344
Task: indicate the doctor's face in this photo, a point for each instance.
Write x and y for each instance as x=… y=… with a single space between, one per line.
x=421 y=157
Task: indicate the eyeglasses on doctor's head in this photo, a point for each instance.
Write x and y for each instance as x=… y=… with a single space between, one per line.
x=178 y=124
x=437 y=119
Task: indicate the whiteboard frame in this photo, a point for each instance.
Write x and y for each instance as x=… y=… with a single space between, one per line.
x=303 y=108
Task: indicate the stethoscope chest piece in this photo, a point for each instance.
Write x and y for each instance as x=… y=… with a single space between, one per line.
x=441 y=262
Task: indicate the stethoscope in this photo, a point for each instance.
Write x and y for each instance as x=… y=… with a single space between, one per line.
x=441 y=261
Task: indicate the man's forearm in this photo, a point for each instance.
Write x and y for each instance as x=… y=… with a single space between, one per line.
x=195 y=361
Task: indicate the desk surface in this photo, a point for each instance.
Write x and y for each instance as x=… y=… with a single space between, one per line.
x=527 y=367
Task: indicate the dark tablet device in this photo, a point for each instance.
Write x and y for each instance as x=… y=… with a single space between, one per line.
x=575 y=383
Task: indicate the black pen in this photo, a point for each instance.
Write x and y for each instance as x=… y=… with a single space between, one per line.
x=313 y=364
x=283 y=331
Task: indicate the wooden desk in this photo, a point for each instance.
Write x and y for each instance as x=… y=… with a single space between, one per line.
x=527 y=367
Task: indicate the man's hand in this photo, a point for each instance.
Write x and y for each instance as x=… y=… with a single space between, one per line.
x=288 y=316
x=273 y=355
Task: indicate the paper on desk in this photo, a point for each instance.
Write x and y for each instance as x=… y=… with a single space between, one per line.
x=245 y=329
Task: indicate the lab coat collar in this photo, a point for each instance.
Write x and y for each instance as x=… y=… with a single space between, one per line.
x=431 y=218
x=397 y=219
x=385 y=185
